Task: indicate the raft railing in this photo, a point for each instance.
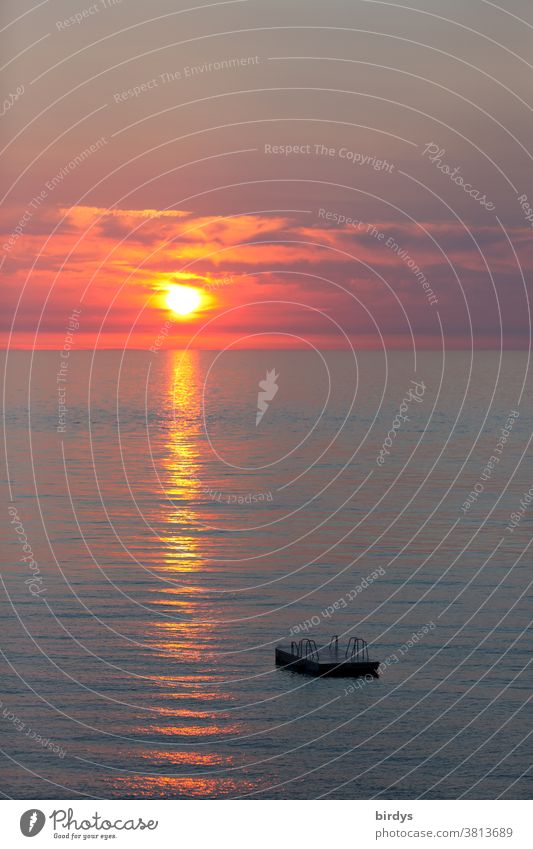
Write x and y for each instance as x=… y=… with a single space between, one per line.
x=357 y=649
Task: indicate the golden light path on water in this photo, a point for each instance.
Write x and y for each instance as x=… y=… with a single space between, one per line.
x=185 y=639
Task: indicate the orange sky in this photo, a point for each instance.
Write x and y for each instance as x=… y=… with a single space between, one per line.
x=266 y=274
x=124 y=171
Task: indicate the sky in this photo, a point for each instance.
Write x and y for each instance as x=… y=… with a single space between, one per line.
x=324 y=174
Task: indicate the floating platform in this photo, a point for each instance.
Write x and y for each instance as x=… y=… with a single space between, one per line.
x=305 y=657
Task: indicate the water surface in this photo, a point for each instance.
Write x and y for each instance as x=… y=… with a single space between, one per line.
x=177 y=543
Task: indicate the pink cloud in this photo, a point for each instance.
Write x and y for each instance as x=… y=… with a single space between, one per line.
x=123 y=259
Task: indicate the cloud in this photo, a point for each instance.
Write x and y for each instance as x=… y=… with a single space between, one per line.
x=117 y=262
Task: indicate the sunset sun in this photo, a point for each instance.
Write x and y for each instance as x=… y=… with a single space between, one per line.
x=183 y=300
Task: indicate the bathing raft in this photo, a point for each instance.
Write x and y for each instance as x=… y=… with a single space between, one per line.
x=305 y=657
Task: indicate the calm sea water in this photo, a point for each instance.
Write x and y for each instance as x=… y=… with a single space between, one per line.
x=177 y=542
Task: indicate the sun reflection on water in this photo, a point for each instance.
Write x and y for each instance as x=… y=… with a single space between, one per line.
x=187 y=707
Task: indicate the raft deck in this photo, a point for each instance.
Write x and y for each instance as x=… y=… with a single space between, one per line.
x=331 y=660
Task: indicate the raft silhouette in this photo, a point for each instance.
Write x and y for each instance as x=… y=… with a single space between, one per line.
x=328 y=660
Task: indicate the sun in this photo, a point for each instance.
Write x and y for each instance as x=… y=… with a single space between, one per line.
x=183 y=300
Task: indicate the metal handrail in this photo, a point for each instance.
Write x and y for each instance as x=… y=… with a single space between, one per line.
x=357 y=648
x=307 y=648
x=333 y=644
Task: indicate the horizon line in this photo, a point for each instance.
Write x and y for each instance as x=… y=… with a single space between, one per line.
x=524 y=349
